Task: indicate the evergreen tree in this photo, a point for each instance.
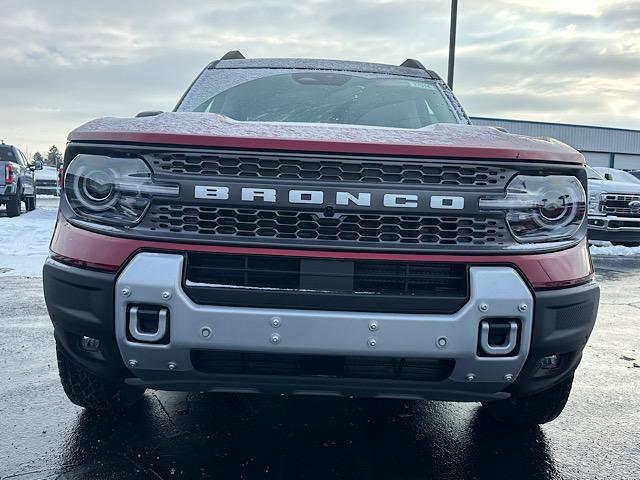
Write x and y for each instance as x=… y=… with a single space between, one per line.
x=53 y=156
x=37 y=157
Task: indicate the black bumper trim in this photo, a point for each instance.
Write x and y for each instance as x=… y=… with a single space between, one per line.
x=613 y=235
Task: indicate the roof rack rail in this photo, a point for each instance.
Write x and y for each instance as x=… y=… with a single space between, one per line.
x=233 y=55
x=411 y=63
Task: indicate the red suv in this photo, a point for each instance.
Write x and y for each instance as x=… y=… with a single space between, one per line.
x=321 y=227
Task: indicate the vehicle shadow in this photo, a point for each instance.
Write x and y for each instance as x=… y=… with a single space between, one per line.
x=223 y=436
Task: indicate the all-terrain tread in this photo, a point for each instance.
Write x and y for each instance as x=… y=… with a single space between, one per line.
x=536 y=409
x=91 y=392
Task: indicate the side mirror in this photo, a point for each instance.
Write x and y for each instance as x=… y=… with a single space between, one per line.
x=37 y=165
x=608 y=176
x=149 y=113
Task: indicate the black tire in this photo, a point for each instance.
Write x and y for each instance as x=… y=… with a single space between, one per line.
x=30 y=203
x=536 y=409
x=626 y=244
x=13 y=206
x=91 y=392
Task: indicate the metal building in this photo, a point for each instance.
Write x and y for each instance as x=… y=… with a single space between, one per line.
x=601 y=146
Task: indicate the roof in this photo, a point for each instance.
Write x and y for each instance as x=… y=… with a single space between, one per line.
x=586 y=138
x=323 y=64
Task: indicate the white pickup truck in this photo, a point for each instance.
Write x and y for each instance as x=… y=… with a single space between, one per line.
x=614 y=206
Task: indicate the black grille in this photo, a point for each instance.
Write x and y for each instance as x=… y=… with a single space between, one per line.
x=341 y=229
x=286 y=167
x=245 y=363
x=618 y=204
x=325 y=284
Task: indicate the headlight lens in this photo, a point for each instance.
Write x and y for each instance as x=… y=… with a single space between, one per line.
x=112 y=191
x=542 y=208
x=594 y=204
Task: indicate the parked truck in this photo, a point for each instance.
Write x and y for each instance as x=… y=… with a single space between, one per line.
x=19 y=182
x=321 y=227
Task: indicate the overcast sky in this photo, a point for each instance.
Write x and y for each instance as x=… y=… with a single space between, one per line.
x=65 y=62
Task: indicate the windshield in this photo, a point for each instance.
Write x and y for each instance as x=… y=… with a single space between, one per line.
x=619 y=175
x=328 y=97
x=593 y=175
x=6 y=155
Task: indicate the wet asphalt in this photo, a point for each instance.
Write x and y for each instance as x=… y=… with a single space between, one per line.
x=191 y=436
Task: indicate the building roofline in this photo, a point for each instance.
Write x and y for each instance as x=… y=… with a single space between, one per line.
x=556 y=124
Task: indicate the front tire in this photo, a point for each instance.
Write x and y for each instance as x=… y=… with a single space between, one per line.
x=13 y=206
x=91 y=392
x=30 y=203
x=536 y=409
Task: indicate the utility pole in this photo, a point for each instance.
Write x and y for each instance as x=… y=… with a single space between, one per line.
x=452 y=41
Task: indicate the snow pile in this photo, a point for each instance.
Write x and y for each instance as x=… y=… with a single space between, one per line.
x=605 y=248
x=24 y=242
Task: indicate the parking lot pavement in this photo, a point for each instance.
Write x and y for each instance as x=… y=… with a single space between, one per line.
x=176 y=435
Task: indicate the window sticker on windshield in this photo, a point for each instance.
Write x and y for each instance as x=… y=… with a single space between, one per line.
x=424 y=85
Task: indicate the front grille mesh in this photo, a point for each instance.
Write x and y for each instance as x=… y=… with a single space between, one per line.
x=212 y=222
x=286 y=167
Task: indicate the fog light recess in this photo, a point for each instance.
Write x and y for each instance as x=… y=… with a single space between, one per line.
x=89 y=344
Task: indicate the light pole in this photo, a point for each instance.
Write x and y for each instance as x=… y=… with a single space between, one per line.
x=452 y=41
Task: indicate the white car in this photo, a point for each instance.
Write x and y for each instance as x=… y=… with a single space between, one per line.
x=614 y=206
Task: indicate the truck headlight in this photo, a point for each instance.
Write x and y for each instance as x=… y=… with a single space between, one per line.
x=594 y=204
x=542 y=208
x=112 y=191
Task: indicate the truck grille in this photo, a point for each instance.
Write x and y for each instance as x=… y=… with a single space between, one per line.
x=287 y=167
x=618 y=204
x=325 y=284
x=354 y=229
x=333 y=366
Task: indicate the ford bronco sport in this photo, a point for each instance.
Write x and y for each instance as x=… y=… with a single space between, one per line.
x=320 y=227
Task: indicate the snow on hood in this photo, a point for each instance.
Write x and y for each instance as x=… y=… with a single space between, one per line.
x=214 y=125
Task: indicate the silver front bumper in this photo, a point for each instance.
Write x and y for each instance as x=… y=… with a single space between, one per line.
x=155 y=278
x=604 y=223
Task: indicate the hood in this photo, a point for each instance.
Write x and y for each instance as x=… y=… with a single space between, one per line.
x=446 y=140
x=608 y=186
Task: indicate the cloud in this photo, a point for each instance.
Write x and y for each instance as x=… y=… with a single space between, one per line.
x=68 y=61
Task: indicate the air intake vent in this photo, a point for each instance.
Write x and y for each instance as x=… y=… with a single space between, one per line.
x=243 y=363
x=324 y=284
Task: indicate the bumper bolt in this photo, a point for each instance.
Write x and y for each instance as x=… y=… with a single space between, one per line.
x=483 y=307
x=372 y=342
x=205 y=332
x=172 y=365
x=470 y=377
x=441 y=342
x=126 y=291
x=275 y=338
x=523 y=307
x=373 y=326
x=508 y=377
x=166 y=295
x=276 y=322
x=133 y=363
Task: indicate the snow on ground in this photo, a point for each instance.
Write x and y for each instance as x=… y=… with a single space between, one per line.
x=24 y=240
x=605 y=248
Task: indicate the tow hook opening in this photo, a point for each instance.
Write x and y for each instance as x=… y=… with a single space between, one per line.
x=498 y=337
x=148 y=324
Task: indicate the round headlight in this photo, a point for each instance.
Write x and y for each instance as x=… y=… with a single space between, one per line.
x=542 y=208
x=112 y=191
